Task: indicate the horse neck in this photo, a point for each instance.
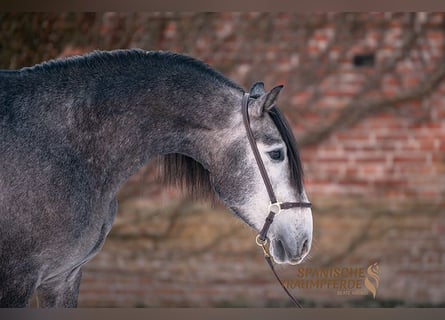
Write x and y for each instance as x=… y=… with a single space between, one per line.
x=118 y=133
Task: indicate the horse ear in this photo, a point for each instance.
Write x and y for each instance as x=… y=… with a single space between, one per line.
x=271 y=97
x=265 y=102
x=257 y=89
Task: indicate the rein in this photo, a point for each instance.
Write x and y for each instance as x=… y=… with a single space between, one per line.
x=275 y=207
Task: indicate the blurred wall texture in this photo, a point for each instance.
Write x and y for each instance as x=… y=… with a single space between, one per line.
x=365 y=95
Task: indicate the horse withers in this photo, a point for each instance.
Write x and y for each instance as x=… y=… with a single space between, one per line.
x=74 y=130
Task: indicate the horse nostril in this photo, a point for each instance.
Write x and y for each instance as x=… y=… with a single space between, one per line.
x=281 y=251
x=304 y=247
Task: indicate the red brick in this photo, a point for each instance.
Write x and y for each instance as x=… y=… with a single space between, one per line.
x=353 y=135
x=378 y=157
x=429 y=144
x=371 y=173
x=410 y=158
x=332 y=159
x=392 y=135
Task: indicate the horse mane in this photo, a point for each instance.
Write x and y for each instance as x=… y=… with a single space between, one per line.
x=295 y=166
x=186 y=173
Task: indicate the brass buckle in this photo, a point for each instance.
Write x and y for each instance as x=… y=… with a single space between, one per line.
x=275 y=207
x=263 y=245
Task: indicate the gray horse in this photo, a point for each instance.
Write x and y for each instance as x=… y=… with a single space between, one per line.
x=73 y=130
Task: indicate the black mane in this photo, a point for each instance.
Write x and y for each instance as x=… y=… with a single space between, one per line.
x=187 y=174
x=295 y=166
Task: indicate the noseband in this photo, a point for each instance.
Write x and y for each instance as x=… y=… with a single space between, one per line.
x=275 y=207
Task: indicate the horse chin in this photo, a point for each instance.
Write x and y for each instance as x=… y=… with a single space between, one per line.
x=295 y=262
x=287 y=261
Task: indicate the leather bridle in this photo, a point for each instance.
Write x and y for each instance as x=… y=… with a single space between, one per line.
x=275 y=207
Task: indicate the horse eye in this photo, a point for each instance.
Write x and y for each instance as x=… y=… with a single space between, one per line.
x=277 y=155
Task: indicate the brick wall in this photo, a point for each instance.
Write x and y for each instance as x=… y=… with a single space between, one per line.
x=384 y=156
